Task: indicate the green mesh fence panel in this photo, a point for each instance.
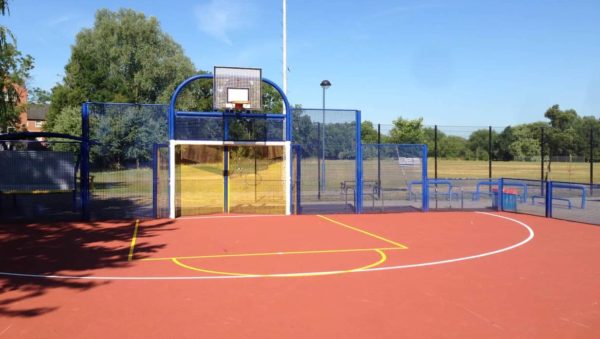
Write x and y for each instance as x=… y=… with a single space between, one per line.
x=121 y=158
x=326 y=142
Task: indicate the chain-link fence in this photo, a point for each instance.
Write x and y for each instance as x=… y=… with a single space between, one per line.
x=121 y=154
x=494 y=152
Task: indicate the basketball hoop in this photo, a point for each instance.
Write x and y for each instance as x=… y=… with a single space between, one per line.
x=240 y=105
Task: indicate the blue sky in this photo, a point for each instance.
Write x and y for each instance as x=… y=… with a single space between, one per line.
x=452 y=62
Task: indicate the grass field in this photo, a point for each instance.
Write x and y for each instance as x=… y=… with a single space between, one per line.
x=139 y=181
x=338 y=169
x=202 y=189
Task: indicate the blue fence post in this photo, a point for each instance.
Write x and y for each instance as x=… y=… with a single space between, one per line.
x=85 y=162
x=359 y=167
x=155 y=180
x=500 y=195
x=225 y=179
x=549 y=199
x=298 y=179
x=424 y=180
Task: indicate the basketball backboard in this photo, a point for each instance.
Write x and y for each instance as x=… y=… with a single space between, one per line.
x=237 y=88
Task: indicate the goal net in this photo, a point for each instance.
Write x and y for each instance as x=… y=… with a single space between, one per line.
x=211 y=177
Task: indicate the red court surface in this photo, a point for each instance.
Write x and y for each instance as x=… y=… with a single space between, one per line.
x=424 y=275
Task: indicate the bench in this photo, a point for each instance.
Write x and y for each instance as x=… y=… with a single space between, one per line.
x=555 y=185
x=444 y=182
x=371 y=188
x=533 y=197
x=489 y=183
x=37 y=172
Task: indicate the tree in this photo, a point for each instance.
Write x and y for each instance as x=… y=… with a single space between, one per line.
x=429 y=137
x=501 y=149
x=562 y=136
x=478 y=143
x=39 y=96
x=305 y=132
x=407 y=131
x=68 y=121
x=587 y=125
x=454 y=147
x=14 y=70
x=368 y=133
x=527 y=141
x=124 y=57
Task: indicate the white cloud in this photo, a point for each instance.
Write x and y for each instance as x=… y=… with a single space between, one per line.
x=219 y=18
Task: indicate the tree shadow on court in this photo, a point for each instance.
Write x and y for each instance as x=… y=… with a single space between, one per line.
x=30 y=250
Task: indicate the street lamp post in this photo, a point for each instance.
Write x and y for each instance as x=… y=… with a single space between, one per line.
x=325 y=84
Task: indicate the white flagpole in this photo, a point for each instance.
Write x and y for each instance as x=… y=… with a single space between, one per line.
x=284 y=67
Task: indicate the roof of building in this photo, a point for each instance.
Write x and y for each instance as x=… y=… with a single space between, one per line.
x=37 y=111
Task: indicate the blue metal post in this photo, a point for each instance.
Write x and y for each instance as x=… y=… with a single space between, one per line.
x=155 y=180
x=298 y=179
x=85 y=162
x=358 y=203
x=549 y=194
x=226 y=179
x=424 y=180
x=500 y=195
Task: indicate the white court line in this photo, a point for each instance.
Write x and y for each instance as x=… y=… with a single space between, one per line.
x=471 y=257
x=231 y=216
x=431 y=263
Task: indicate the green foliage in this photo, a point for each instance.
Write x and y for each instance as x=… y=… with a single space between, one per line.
x=429 y=139
x=14 y=71
x=125 y=136
x=407 y=131
x=125 y=57
x=526 y=142
x=305 y=132
x=340 y=141
x=478 y=144
x=272 y=102
x=454 y=147
x=561 y=137
x=368 y=133
x=68 y=122
x=39 y=96
x=195 y=97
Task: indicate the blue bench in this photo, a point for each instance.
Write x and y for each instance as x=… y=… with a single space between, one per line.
x=444 y=182
x=371 y=189
x=572 y=187
x=553 y=198
x=567 y=200
x=478 y=192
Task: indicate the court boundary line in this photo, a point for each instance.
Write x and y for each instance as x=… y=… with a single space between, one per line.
x=230 y=216
x=363 y=232
x=398 y=267
x=382 y=259
x=133 y=240
x=259 y=254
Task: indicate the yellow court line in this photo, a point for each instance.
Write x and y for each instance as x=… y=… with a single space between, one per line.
x=273 y=253
x=382 y=258
x=132 y=246
x=364 y=232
